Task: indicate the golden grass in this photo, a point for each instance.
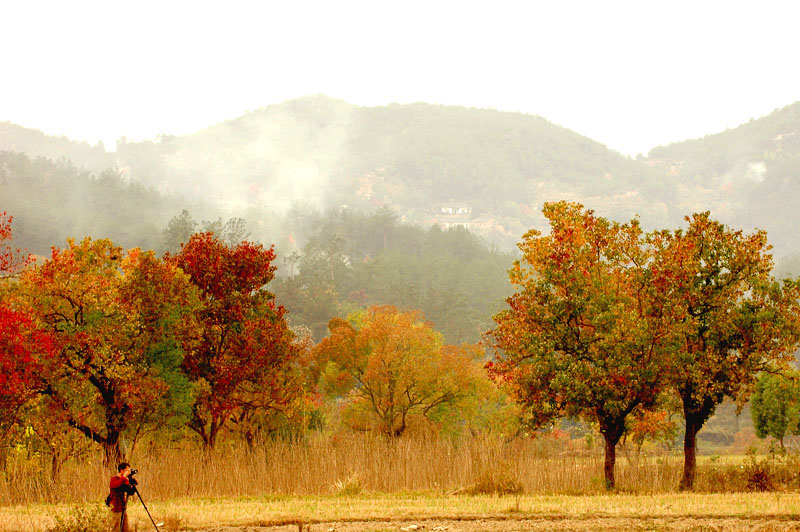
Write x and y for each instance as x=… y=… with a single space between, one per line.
x=369 y=478
x=320 y=464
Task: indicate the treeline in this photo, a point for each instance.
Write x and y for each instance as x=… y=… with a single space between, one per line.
x=103 y=344
x=35 y=144
x=607 y=324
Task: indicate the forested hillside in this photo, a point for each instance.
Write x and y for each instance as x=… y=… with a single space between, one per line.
x=55 y=200
x=417 y=159
x=34 y=144
x=484 y=170
x=352 y=260
x=748 y=176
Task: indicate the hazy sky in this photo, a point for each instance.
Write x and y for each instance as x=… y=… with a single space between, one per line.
x=631 y=75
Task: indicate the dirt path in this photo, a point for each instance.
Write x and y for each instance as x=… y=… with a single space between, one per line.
x=536 y=524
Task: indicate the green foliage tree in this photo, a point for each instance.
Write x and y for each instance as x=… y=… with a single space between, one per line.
x=178 y=232
x=775 y=405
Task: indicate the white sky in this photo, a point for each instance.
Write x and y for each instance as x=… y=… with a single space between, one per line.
x=631 y=75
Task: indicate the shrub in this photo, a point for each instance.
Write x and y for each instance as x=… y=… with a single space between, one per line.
x=82 y=519
x=348 y=487
x=495 y=482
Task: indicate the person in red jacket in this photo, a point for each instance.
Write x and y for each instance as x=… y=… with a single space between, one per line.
x=122 y=484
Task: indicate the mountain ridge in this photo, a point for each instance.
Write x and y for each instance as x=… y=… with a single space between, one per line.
x=420 y=159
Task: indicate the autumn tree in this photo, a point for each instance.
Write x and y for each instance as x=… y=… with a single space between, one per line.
x=736 y=319
x=24 y=351
x=115 y=318
x=775 y=406
x=243 y=362
x=654 y=425
x=588 y=332
x=23 y=347
x=390 y=366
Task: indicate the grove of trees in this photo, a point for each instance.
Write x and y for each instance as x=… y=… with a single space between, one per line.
x=376 y=326
x=607 y=319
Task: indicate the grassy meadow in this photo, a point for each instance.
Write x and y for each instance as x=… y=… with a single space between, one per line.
x=338 y=479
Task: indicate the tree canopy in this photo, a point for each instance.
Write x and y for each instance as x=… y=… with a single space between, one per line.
x=245 y=350
x=392 y=366
x=116 y=319
x=588 y=332
x=737 y=319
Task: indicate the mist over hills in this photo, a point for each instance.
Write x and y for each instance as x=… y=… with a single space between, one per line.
x=485 y=170
x=748 y=176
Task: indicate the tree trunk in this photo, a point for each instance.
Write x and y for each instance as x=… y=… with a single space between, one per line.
x=213 y=431
x=112 y=454
x=695 y=412
x=693 y=426
x=55 y=466
x=612 y=429
x=610 y=461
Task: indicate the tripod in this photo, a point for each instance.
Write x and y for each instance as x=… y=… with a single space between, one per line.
x=125 y=508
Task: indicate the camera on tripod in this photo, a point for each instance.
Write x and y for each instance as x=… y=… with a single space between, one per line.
x=134 y=471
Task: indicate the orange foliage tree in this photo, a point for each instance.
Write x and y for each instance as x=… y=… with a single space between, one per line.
x=114 y=319
x=737 y=319
x=588 y=332
x=390 y=366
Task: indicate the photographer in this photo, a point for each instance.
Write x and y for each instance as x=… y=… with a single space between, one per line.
x=122 y=484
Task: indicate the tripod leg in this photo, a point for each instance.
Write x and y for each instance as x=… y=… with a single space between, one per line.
x=146 y=510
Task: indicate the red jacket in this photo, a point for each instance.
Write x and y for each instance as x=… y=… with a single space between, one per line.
x=119 y=489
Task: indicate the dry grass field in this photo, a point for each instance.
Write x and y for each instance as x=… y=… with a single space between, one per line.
x=436 y=512
x=364 y=483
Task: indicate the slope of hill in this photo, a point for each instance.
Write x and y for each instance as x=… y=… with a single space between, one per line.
x=415 y=158
x=748 y=176
x=54 y=200
x=34 y=143
x=485 y=170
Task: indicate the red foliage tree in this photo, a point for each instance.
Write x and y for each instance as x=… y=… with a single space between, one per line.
x=23 y=347
x=20 y=341
x=245 y=352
